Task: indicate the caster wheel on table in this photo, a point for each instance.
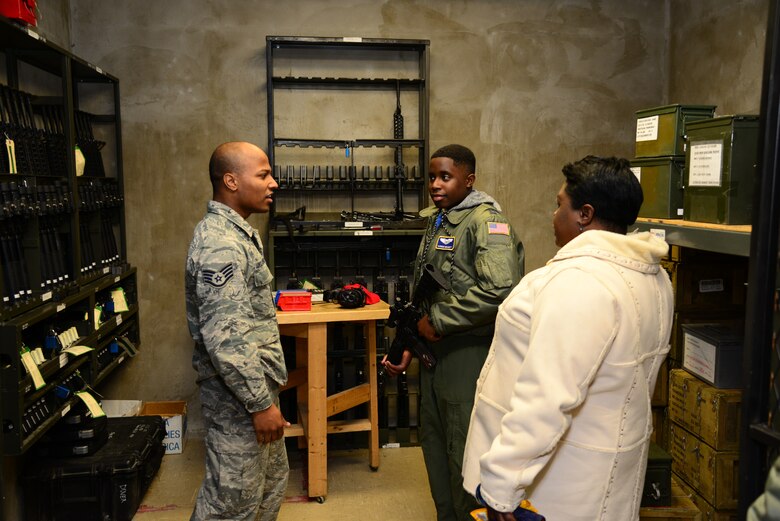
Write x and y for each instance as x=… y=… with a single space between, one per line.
x=320 y=499
x=373 y=469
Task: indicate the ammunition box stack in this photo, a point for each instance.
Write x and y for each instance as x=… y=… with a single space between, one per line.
x=720 y=163
x=708 y=289
x=660 y=156
x=704 y=442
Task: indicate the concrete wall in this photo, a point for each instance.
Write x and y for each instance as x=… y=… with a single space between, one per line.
x=527 y=85
x=717 y=54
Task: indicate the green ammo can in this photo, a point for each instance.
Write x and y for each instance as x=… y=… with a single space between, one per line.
x=660 y=131
x=662 y=186
x=720 y=169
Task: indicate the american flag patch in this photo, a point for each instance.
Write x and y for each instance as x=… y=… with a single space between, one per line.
x=498 y=228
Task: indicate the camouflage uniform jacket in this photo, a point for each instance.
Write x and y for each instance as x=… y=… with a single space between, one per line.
x=475 y=248
x=230 y=308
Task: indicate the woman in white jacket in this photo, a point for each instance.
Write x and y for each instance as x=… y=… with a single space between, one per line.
x=562 y=408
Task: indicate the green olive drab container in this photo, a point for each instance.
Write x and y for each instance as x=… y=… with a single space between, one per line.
x=662 y=186
x=660 y=131
x=720 y=169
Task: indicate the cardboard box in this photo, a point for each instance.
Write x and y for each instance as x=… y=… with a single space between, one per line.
x=175 y=416
x=121 y=408
x=710 y=413
x=713 y=474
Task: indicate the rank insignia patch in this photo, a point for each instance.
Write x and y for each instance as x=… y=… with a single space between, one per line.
x=445 y=242
x=498 y=228
x=218 y=278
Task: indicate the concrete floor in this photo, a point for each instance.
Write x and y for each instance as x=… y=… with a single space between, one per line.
x=398 y=491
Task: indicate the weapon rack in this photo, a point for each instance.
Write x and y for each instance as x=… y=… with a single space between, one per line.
x=348 y=141
x=62 y=234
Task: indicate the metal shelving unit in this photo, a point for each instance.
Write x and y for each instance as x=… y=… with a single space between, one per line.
x=730 y=239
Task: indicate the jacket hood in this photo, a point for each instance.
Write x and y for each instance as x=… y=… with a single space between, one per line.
x=637 y=251
x=474 y=198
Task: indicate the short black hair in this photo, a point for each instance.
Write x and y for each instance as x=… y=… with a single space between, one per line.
x=607 y=184
x=460 y=155
x=224 y=159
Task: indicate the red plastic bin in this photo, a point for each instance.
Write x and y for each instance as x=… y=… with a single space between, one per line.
x=293 y=300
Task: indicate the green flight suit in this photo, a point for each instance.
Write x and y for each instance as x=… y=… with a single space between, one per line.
x=475 y=249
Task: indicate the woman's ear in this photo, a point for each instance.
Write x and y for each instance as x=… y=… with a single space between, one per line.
x=587 y=213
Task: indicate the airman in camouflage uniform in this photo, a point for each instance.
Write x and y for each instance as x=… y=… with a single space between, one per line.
x=471 y=244
x=238 y=356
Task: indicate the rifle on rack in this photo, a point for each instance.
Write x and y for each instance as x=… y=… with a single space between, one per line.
x=405 y=315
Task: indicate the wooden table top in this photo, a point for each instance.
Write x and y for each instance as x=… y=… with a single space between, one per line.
x=331 y=312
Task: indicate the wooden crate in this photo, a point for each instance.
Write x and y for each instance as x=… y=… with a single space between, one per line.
x=713 y=474
x=711 y=414
x=708 y=512
x=682 y=507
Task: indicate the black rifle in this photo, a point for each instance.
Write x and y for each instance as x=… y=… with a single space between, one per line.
x=405 y=315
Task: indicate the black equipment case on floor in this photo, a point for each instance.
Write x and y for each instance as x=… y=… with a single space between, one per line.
x=107 y=485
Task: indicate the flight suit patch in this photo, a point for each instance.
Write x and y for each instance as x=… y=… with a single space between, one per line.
x=498 y=228
x=445 y=242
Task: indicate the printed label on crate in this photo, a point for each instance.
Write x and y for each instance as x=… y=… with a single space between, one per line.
x=699 y=357
x=647 y=129
x=637 y=172
x=706 y=163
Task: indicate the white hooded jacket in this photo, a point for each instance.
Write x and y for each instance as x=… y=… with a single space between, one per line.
x=562 y=409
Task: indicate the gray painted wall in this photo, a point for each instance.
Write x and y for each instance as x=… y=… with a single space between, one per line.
x=528 y=85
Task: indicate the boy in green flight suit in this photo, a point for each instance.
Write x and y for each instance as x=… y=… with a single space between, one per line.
x=472 y=245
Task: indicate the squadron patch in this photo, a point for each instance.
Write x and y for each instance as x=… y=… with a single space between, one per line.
x=445 y=242
x=498 y=229
x=218 y=278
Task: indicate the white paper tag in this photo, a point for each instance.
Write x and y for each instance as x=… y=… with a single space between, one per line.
x=92 y=405
x=699 y=357
x=659 y=232
x=353 y=224
x=120 y=302
x=364 y=232
x=46 y=296
x=35 y=373
x=647 y=129
x=77 y=350
x=637 y=172
x=63 y=360
x=706 y=163
x=711 y=286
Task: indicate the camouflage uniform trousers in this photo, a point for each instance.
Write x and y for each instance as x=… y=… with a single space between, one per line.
x=245 y=480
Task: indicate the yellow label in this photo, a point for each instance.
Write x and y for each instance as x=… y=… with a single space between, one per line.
x=29 y=364
x=77 y=350
x=92 y=405
x=120 y=302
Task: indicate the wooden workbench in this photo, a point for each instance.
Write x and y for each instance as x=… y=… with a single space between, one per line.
x=310 y=329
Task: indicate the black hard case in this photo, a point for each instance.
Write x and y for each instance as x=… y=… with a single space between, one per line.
x=107 y=485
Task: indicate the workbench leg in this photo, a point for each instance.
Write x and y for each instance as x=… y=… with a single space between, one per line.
x=302 y=391
x=317 y=435
x=373 y=410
